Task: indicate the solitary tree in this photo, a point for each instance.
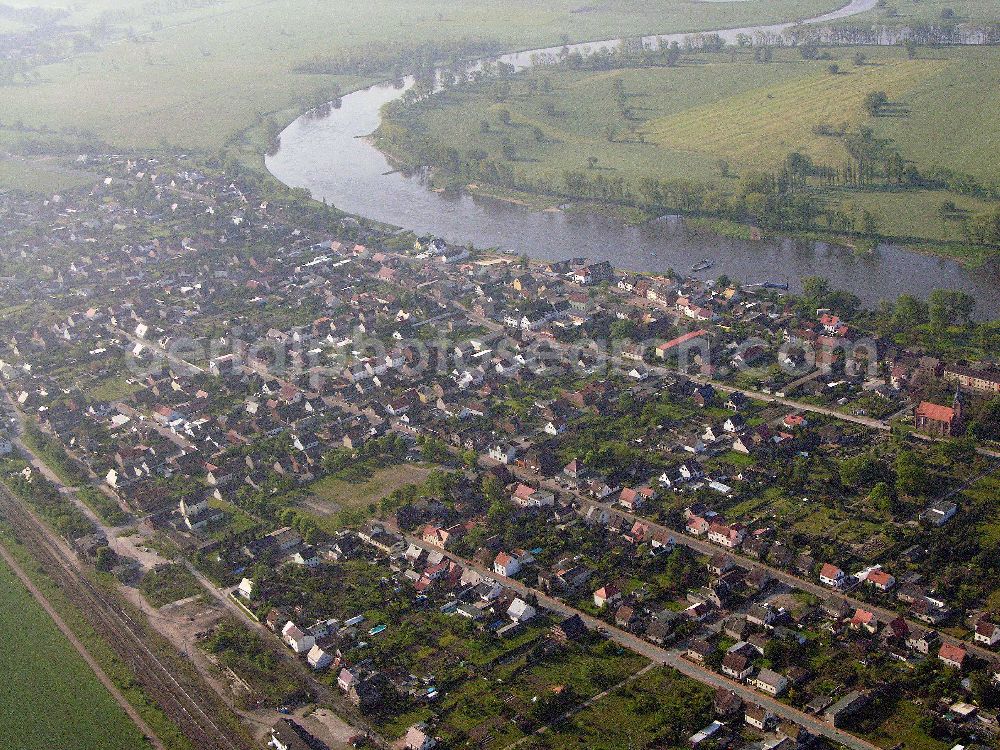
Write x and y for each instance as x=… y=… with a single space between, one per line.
x=875 y=102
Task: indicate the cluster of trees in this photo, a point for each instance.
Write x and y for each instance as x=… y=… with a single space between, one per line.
x=46 y=500
x=399 y=59
x=943 y=309
x=54 y=455
x=373 y=454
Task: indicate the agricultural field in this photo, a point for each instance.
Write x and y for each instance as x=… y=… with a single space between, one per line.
x=912 y=12
x=715 y=117
x=201 y=74
x=52 y=699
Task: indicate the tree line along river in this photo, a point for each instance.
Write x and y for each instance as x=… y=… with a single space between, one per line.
x=329 y=156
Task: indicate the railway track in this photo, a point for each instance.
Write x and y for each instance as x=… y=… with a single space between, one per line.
x=184 y=703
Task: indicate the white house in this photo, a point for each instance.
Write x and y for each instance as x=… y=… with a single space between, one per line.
x=831 y=575
x=417 y=738
x=318 y=658
x=881 y=580
x=770 y=682
x=298 y=641
x=345 y=679
x=506 y=565
x=529 y=497
x=245 y=589
x=606 y=595
x=987 y=633
x=520 y=611
x=505 y=453
x=725 y=535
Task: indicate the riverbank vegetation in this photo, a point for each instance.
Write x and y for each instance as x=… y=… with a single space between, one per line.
x=210 y=75
x=844 y=140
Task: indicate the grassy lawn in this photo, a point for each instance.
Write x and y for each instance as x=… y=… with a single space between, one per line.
x=107 y=509
x=43 y=178
x=196 y=76
x=901 y=728
x=659 y=709
x=169 y=583
x=52 y=699
x=757 y=125
x=340 y=495
x=113 y=389
x=907 y=12
x=714 y=107
x=985 y=494
x=237 y=521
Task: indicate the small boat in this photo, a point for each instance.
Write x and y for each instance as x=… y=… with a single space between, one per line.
x=704 y=265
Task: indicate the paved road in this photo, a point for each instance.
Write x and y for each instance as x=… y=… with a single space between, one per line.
x=703 y=546
x=670 y=657
x=179 y=440
x=181 y=364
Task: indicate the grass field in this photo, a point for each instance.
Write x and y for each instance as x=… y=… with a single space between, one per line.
x=196 y=76
x=905 y=12
x=340 y=495
x=168 y=584
x=721 y=107
x=659 y=709
x=42 y=178
x=51 y=698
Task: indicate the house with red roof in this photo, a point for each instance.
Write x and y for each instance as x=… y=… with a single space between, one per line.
x=634 y=499
x=831 y=575
x=696 y=525
x=881 y=580
x=986 y=632
x=953 y=656
x=864 y=620
x=728 y=536
x=507 y=565
x=937 y=420
x=662 y=349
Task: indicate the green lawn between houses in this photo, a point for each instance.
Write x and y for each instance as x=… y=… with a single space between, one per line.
x=50 y=698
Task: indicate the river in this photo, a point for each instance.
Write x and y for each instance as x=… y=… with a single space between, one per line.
x=329 y=156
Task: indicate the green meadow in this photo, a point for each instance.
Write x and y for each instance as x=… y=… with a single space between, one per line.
x=713 y=108
x=204 y=75
x=50 y=698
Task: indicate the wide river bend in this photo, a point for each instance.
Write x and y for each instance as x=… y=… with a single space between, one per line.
x=329 y=156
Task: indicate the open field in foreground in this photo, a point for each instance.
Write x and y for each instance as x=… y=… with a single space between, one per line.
x=51 y=699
